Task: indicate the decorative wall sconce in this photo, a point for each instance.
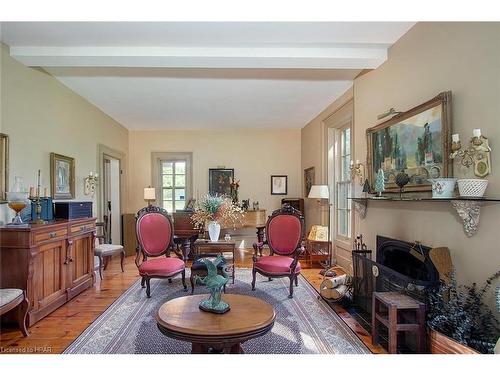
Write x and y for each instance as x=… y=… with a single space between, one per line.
x=358 y=169
x=478 y=153
x=90 y=183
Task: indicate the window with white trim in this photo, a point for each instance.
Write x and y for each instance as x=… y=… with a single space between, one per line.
x=343 y=182
x=173 y=175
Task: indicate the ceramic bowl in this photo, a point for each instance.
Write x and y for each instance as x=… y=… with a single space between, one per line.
x=443 y=187
x=472 y=187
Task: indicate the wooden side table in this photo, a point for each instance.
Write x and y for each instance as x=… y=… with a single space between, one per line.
x=316 y=251
x=202 y=246
x=395 y=302
x=182 y=319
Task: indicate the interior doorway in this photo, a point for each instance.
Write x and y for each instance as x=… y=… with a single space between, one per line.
x=111 y=209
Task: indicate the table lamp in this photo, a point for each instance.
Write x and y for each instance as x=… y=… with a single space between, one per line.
x=323 y=192
x=149 y=194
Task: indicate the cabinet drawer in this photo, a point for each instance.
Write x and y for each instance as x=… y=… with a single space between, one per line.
x=82 y=228
x=50 y=235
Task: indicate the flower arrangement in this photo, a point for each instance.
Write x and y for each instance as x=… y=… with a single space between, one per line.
x=217 y=208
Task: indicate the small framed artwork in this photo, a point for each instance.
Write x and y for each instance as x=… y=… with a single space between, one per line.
x=279 y=185
x=62 y=176
x=308 y=180
x=219 y=181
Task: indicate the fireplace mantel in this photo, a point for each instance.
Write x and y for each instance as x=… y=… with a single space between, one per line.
x=468 y=209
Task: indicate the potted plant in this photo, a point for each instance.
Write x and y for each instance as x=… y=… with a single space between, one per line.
x=216 y=210
x=459 y=320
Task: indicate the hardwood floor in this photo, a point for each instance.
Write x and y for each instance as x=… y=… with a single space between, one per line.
x=56 y=331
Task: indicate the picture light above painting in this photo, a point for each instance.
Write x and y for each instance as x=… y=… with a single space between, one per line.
x=416 y=142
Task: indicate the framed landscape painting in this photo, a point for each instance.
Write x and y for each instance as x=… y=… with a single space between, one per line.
x=416 y=142
x=219 y=181
x=62 y=176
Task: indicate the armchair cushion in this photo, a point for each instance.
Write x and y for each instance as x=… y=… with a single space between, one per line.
x=275 y=264
x=161 y=266
x=104 y=249
x=8 y=295
x=154 y=232
x=284 y=234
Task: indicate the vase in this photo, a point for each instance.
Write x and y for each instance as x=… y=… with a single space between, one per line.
x=214 y=231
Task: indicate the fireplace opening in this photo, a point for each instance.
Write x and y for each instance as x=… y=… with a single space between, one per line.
x=399 y=267
x=411 y=260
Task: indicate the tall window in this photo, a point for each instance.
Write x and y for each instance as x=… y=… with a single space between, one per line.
x=343 y=182
x=173 y=179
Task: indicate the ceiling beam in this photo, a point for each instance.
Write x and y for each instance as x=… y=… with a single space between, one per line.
x=302 y=56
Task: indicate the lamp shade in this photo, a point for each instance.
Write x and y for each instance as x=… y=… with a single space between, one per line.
x=149 y=194
x=319 y=192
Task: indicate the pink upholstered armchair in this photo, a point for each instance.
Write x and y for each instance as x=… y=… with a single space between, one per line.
x=284 y=233
x=155 y=235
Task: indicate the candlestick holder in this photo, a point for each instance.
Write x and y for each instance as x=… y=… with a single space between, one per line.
x=38 y=210
x=90 y=184
x=358 y=170
x=478 y=154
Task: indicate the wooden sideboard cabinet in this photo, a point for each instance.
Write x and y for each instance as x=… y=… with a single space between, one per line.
x=53 y=262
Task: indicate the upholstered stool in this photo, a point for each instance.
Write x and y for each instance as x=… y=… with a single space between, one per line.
x=15 y=299
x=103 y=250
x=395 y=302
x=199 y=268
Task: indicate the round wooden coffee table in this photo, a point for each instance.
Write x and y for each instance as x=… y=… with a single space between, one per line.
x=248 y=318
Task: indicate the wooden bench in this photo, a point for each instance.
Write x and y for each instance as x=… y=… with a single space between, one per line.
x=395 y=302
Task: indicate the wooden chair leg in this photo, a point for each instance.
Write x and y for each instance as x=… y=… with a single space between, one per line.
x=143 y=282
x=421 y=342
x=170 y=281
x=375 y=311
x=292 y=278
x=106 y=261
x=296 y=280
x=22 y=314
x=269 y=279
x=122 y=258
x=100 y=266
x=191 y=281
x=148 y=287
x=254 y=275
x=393 y=333
x=184 y=280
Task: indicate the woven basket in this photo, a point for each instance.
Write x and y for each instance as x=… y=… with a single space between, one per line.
x=472 y=187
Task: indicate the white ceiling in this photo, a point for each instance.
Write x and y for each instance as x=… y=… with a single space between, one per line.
x=205 y=75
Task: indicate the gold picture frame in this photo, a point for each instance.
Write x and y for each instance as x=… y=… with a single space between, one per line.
x=62 y=176
x=417 y=142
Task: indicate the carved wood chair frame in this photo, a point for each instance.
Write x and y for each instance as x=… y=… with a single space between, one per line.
x=145 y=280
x=299 y=248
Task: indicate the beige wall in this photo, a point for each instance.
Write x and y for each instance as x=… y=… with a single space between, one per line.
x=313 y=154
x=41 y=116
x=254 y=154
x=430 y=58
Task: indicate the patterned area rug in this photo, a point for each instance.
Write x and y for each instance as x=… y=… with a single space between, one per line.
x=303 y=324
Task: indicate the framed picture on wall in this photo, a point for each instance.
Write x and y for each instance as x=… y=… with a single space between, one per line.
x=308 y=180
x=219 y=181
x=279 y=185
x=416 y=142
x=62 y=176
